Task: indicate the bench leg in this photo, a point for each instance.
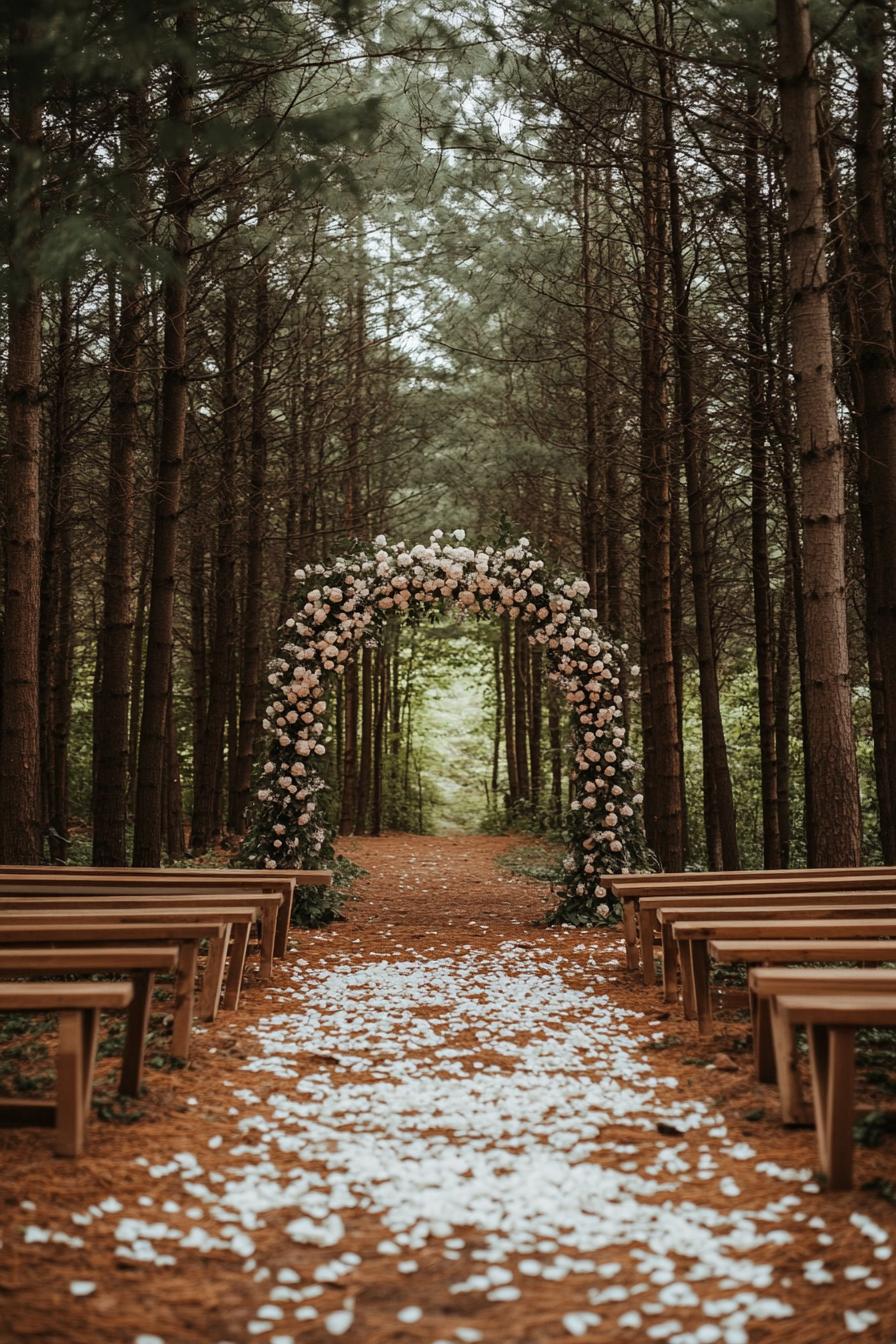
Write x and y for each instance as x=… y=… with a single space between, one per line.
x=135 y=1037
x=794 y=1110
x=76 y=1033
x=184 y=989
x=284 y=920
x=647 y=923
x=670 y=964
x=763 y=1047
x=702 y=992
x=213 y=979
x=832 y=1058
x=688 y=996
x=236 y=967
x=630 y=934
x=269 y=930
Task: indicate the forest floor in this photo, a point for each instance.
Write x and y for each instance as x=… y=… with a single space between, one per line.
x=444 y=1124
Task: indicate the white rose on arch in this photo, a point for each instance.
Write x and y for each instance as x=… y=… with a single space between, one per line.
x=578 y=658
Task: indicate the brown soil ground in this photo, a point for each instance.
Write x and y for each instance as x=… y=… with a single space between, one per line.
x=422 y=898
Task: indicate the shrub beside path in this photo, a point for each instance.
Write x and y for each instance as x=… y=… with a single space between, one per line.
x=443 y=1125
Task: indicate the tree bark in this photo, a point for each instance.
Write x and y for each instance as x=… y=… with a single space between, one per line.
x=253 y=605
x=20 y=816
x=57 y=615
x=835 y=793
x=110 y=795
x=663 y=810
x=715 y=749
x=757 y=375
x=513 y=788
x=209 y=765
x=160 y=624
x=877 y=368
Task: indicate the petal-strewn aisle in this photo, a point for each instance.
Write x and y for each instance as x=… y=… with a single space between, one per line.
x=444 y=1124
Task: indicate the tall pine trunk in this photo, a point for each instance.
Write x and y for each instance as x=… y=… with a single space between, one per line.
x=834 y=793
x=715 y=749
x=110 y=727
x=663 y=780
x=160 y=624
x=253 y=605
x=209 y=766
x=20 y=815
x=877 y=367
x=758 y=414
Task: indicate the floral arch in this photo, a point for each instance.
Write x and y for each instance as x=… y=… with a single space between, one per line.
x=350 y=602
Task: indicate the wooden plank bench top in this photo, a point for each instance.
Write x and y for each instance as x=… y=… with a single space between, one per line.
x=318 y=877
x=160 y=914
x=699 y=901
x=623 y=880
x=863 y=927
x=831 y=1024
x=783 y=910
x=78 y=1007
x=15 y=997
x=855 y=1010
x=58 y=960
x=730 y=951
x=99 y=929
x=857 y=879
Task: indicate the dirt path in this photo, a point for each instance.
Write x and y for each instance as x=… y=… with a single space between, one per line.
x=443 y=1125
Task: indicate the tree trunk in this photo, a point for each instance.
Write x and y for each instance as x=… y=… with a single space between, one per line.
x=877 y=367
x=209 y=766
x=513 y=788
x=365 y=761
x=253 y=606
x=715 y=748
x=20 y=816
x=160 y=624
x=520 y=697
x=535 y=711
x=757 y=375
x=56 y=616
x=663 y=811
x=349 y=808
x=110 y=725
x=835 y=793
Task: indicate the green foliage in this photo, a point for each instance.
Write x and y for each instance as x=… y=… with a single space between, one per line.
x=540 y=862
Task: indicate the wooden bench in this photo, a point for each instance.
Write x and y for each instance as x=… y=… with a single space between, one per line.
x=831 y=1025
x=123 y=891
x=265 y=904
x=697 y=935
x=774 y=1050
x=235 y=921
x=140 y=963
x=628 y=888
x=78 y=1009
x=865 y=905
x=284 y=880
x=186 y=936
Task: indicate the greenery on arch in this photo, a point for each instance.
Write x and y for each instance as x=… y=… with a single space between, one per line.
x=351 y=601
